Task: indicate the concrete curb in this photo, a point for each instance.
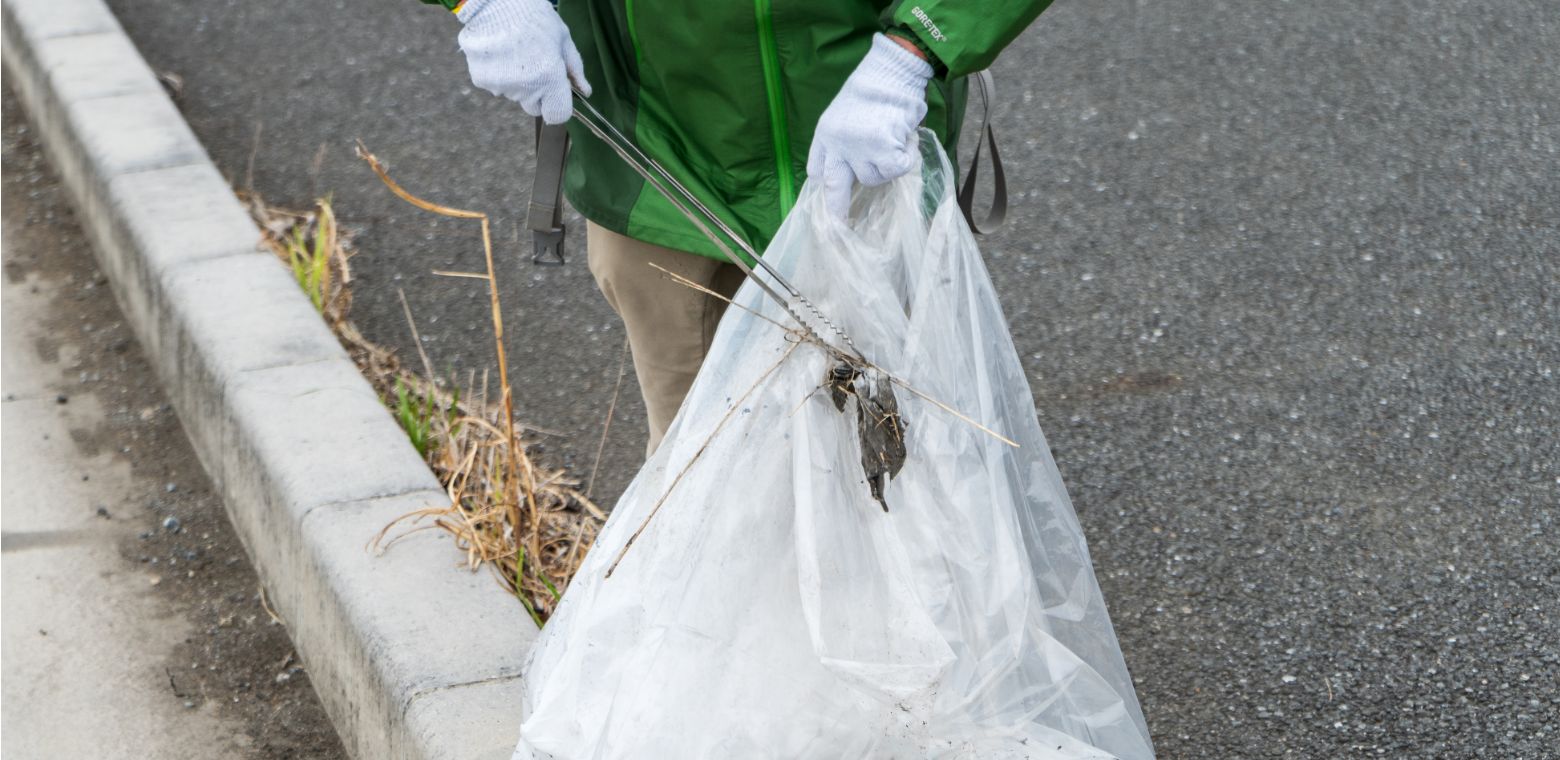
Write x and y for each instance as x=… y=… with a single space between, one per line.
x=412 y=657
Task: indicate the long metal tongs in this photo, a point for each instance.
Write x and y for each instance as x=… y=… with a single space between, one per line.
x=707 y=222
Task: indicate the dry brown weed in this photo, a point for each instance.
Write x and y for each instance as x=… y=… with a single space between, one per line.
x=530 y=525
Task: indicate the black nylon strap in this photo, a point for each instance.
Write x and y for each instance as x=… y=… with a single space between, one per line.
x=997 y=215
x=544 y=217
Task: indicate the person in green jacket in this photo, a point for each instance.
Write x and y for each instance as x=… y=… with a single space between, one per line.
x=741 y=103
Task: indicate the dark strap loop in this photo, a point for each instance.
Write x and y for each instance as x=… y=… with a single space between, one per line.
x=544 y=217
x=997 y=215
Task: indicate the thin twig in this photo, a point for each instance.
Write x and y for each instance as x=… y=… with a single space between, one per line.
x=316 y=167
x=948 y=409
x=472 y=275
x=400 y=192
x=684 y=281
x=695 y=458
x=254 y=150
x=606 y=427
x=265 y=604
x=416 y=339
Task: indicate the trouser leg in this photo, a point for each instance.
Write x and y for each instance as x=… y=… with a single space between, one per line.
x=670 y=326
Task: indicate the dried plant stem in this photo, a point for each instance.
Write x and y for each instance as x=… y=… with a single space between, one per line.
x=518 y=465
x=685 y=282
x=469 y=275
x=411 y=324
x=606 y=427
x=528 y=483
x=948 y=409
x=695 y=458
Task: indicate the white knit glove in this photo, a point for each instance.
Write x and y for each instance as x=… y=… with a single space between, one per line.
x=521 y=49
x=867 y=133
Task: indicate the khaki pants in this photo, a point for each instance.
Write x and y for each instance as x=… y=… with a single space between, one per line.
x=670 y=325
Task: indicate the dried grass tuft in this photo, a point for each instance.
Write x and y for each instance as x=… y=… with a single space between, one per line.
x=531 y=526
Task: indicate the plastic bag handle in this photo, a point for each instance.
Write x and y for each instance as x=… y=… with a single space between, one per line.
x=997 y=215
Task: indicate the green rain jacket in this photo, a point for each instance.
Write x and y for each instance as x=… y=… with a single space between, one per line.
x=726 y=95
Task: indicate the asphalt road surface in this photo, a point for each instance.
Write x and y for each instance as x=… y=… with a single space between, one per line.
x=1284 y=276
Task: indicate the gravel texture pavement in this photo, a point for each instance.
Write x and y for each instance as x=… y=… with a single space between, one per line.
x=1284 y=275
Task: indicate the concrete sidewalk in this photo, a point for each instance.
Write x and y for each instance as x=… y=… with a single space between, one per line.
x=309 y=463
x=127 y=597
x=82 y=635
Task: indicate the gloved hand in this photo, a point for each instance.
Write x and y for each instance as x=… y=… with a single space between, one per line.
x=521 y=49
x=867 y=133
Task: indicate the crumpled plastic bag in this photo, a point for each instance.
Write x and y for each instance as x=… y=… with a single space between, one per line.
x=773 y=606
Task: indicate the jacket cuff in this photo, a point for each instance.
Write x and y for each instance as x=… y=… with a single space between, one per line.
x=892 y=61
x=906 y=33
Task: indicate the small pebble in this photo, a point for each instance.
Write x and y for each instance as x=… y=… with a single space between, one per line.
x=171 y=524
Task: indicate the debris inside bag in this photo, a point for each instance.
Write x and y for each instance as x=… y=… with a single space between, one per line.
x=879 y=428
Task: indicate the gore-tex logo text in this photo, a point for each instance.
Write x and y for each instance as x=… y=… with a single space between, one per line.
x=927 y=22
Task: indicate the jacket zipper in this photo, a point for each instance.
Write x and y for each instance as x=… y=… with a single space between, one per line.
x=633 y=34
x=777 y=121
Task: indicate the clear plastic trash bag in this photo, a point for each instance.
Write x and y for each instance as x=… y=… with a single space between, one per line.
x=772 y=608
